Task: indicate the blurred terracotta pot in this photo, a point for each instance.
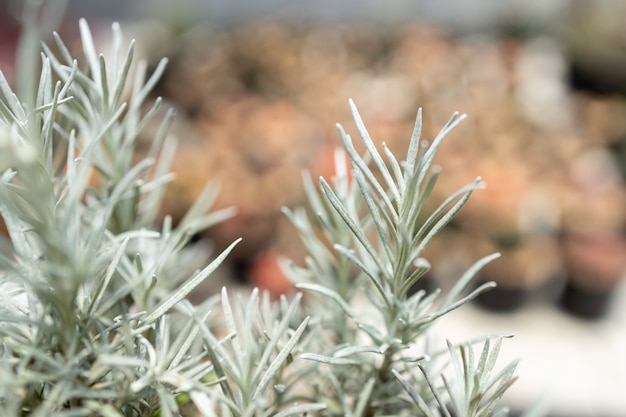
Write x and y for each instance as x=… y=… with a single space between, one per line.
x=265 y=273
x=528 y=270
x=595 y=264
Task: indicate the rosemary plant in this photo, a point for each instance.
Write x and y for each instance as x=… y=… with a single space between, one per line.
x=93 y=314
x=365 y=238
x=87 y=283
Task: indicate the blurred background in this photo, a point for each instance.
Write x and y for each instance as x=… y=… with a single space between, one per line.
x=259 y=85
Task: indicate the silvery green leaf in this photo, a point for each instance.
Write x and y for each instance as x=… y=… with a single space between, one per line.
x=231 y=327
x=434 y=224
x=225 y=369
x=421 y=267
x=359 y=164
x=467 y=276
x=185 y=340
x=249 y=317
x=428 y=157
x=279 y=360
x=352 y=224
x=368 y=272
x=417 y=399
x=100 y=289
x=440 y=401
x=119 y=79
x=354 y=350
x=333 y=295
x=330 y=360
x=189 y=286
x=364 y=397
x=279 y=330
x=397 y=170
x=371 y=147
x=372 y=332
x=383 y=224
x=89 y=48
x=202 y=204
x=453 y=306
x=414 y=143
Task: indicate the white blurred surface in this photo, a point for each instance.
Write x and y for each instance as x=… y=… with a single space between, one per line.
x=577 y=366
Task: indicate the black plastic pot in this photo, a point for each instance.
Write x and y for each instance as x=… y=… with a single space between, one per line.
x=585 y=303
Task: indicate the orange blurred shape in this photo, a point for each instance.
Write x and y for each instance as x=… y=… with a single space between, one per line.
x=332 y=160
x=266 y=274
